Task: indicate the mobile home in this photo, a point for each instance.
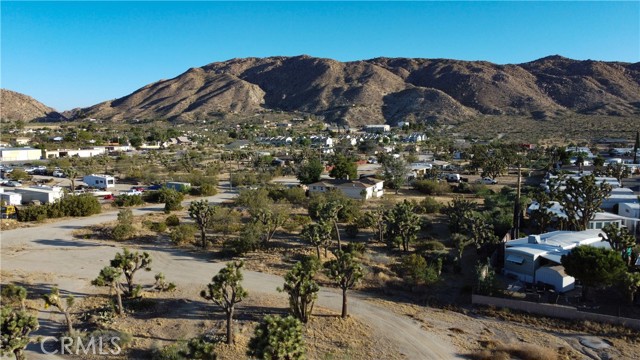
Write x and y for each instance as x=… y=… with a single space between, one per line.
x=99 y=181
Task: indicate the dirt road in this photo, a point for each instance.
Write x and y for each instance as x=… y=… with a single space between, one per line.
x=72 y=263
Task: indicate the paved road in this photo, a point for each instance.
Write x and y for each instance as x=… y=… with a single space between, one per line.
x=51 y=248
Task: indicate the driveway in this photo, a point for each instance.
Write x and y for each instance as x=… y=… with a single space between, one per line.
x=72 y=263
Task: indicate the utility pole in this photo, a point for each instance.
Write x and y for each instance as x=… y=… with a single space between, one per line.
x=516 y=207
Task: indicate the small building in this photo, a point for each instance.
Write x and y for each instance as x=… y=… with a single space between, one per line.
x=379 y=128
x=99 y=181
x=20 y=154
x=10 y=198
x=43 y=194
x=178 y=186
x=23 y=141
x=365 y=188
x=238 y=145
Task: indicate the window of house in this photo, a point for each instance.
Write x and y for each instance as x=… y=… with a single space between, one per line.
x=519 y=260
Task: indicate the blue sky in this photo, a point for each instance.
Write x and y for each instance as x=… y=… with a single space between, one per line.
x=73 y=54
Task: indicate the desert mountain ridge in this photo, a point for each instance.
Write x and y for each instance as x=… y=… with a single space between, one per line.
x=385 y=90
x=15 y=106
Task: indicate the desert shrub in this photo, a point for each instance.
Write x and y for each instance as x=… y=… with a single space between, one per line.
x=352 y=230
x=172 y=220
x=128 y=200
x=202 y=347
x=204 y=190
x=108 y=337
x=514 y=351
x=156 y=226
x=431 y=187
x=81 y=205
x=171 y=198
x=415 y=270
x=183 y=233
x=294 y=195
x=355 y=248
x=430 y=205
x=433 y=245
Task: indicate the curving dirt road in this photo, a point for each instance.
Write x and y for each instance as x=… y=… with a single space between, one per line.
x=72 y=263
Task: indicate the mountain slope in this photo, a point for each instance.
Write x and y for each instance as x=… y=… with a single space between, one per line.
x=387 y=90
x=15 y=106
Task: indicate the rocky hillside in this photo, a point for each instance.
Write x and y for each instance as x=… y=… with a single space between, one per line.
x=387 y=90
x=15 y=106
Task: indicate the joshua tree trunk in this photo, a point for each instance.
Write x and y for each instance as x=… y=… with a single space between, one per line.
x=19 y=354
x=344 y=303
x=67 y=317
x=335 y=223
x=230 y=327
x=318 y=251
x=203 y=236
x=119 y=299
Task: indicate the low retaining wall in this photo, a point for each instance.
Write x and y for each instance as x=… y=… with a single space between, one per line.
x=552 y=310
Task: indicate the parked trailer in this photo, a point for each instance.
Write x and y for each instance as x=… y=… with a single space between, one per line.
x=179 y=186
x=42 y=195
x=99 y=181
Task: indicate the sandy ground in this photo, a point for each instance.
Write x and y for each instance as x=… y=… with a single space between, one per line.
x=48 y=255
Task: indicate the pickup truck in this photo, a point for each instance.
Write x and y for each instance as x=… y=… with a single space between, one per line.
x=487 y=181
x=131 y=192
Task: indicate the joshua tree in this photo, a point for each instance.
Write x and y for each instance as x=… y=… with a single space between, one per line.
x=130 y=263
x=346 y=271
x=15 y=327
x=203 y=213
x=302 y=289
x=225 y=291
x=318 y=235
x=14 y=294
x=54 y=299
x=110 y=276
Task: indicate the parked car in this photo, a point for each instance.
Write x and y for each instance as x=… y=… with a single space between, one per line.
x=138 y=188
x=487 y=181
x=58 y=173
x=154 y=187
x=453 y=178
x=131 y=192
x=13 y=183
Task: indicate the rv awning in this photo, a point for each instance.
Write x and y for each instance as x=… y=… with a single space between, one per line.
x=556 y=258
x=515 y=259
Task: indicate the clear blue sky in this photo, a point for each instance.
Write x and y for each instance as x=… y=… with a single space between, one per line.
x=72 y=54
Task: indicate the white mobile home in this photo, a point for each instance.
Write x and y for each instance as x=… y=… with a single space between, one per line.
x=10 y=198
x=42 y=194
x=99 y=181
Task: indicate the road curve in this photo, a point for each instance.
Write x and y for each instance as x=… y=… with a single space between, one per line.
x=51 y=248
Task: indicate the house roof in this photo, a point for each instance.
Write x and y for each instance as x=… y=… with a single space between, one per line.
x=363 y=183
x=553 y=245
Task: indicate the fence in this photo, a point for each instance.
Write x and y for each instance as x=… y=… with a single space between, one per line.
x=551 y=310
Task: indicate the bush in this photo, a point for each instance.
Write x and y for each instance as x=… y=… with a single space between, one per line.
x=356 y=248
x=158 y=227
x=172 y=221
x=122 y=232
x=415 y=271
x=351 y=230
x=432 y=187
x=128 y=200
x=183 y=234
x=204 y=190
x=81 y=205
x=433 y=245
x=430 y=205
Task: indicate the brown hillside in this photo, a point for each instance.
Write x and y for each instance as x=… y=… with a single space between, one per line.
x=387 y=90
x=15 y=106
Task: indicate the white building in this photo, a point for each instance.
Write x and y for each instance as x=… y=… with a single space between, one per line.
x=536 y=258
x=365 y=188
x=377 y=128
x=43 y=194
x=83 y=153
x=20 y=154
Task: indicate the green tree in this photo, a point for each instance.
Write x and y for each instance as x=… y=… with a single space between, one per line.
x=302 y=289
x=414 y=270
x=14 y=294
x=630 y=283
x=124 y=229
x=343 y=168
x=620 y=239
x=460 y=242
x=458 y=211
x=203 y=213
x=594 y=267
x=346 y=272
x=15 y=327
x=403 y=224
x=310 y=172
x=278 y=338
x=226 y=291
x=318 y=235
x=328 y=213
x=110 y=277
x=54 y=299
x=395 y=172
x=580 y=199
x=130 y=262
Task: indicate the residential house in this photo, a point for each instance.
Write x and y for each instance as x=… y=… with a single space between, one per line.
x=537 y=258
x=365 y=188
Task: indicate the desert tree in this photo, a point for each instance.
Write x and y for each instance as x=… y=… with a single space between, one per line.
x=302 y=289
x=278 y=338
x=329 y=212
x=460 y=242
x=72 y=173
x=63 y=304
x=14 y=294
x=403 y=224
x=343 y=168
x=203 y=213
x=318 y=235
x=458 y=211
x=15 y=328
x=226 y=291
x=110 y=277
x=310 y=171
x=620 y=239
x=130 y=262
x=594 y=267
x=580 y=199
x=345 y=270
x=395 y=172
x=630 y=283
